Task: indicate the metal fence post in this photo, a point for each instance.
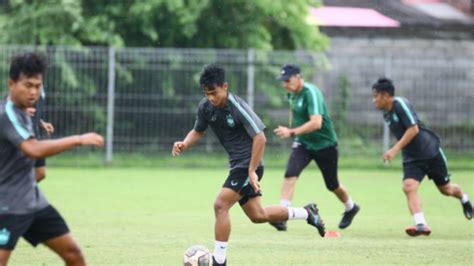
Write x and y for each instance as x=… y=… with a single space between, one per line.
x=251 y=78
x=110 y=107
x=388 y=74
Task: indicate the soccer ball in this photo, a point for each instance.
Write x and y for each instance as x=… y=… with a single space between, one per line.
x=197 y=255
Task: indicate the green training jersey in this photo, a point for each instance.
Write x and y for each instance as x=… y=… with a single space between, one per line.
x=310 y=101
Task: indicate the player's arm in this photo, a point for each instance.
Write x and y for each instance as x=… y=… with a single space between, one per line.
x=258 y=148
x=37 y=149
x=192 y=138
x=407 y=137
x=315 y=123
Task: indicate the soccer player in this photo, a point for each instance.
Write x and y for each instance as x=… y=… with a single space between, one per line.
x=314 y=139
x=421 y=153
x=24 y=210
x=240 y=131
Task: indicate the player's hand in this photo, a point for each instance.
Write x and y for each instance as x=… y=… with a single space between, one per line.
x=282 y=132
x=92 y=139
x=389 y=155
x=178 y=148
x=48 y=127
x=31 y=111
x=253 y=178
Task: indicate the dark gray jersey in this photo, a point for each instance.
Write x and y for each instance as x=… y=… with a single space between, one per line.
x=235 y=125
x=19 y=192
x=426 y=143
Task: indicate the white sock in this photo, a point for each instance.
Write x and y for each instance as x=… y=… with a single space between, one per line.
x=349 y=204
x=220 y=250
x=285 y=203
x=297 y=213
x=419 y=218
x=464 y=198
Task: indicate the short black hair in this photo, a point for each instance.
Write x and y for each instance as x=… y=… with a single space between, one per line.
x=384 y=85
x=28 y=64
x=211 y=76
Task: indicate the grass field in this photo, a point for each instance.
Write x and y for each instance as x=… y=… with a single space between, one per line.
x=148 y=216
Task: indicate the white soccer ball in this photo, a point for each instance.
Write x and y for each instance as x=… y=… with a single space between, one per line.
x=197 y=255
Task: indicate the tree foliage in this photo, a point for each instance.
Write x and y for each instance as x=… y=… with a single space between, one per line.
x=236 y=24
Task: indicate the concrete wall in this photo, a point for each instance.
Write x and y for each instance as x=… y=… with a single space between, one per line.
x=437 y=76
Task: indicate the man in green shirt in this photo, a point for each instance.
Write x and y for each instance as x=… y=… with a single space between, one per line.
x=314 y=139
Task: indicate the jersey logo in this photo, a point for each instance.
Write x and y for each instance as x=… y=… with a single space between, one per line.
x=230 y=120
x=4 y=236
x=395 y=117
x=300 y=103
x=213 y=118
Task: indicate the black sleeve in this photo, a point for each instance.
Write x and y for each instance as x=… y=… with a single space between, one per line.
x=252 y=123
x=13 y=131
x=405 y=113
x=201 y=123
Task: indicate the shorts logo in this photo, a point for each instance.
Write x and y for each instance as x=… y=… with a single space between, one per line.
x=230 y=120
x=233 y=183
x=295 y=145
x=4 y=236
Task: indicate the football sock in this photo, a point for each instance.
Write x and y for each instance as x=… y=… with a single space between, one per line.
x=349 y=204
x=220 y=250
x=419 y=218
x=464 y=198
x=297 y=213
x=285 y=203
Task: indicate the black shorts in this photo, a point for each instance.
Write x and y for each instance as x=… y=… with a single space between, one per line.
x=435 y=168
x=238 y=180
x=35 y=228
x=40 y=163
x=326 y=159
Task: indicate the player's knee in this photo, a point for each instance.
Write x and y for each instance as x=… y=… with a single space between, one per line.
x=220 y=206
x=409 y=187
x=445 y=190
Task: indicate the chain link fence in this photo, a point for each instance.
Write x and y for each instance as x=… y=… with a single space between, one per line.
x=144 y=99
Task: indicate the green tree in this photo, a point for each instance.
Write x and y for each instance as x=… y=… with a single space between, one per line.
x=235 y=24
x=52 y=22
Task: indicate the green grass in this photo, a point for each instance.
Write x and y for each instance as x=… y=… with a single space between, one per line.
x=274 y=158
x=149 y=216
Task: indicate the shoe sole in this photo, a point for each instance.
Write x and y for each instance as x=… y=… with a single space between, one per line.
x=414 y=232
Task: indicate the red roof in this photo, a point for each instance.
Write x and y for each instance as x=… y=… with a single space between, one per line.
x=350 y=17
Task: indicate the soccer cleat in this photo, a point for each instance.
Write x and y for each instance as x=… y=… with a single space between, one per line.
x=280 y=226
x=418 y=230
x=467 y=209
x=215 y=263
x=314 y=218
x=348 y=216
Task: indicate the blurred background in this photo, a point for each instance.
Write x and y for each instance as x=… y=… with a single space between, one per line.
x=130 y=69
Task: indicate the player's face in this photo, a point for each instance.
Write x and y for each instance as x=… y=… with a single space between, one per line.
x=26 y=90
x=379 y=99
x=217 y=96
x=293 y=84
